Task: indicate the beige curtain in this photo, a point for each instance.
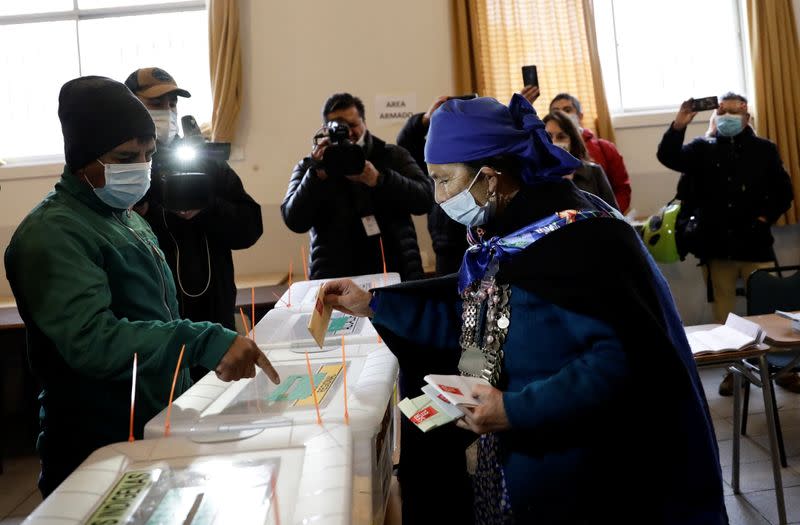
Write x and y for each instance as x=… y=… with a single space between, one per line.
x=463 y=49
x=775 y=55
x=225 y=60
x=558 y=36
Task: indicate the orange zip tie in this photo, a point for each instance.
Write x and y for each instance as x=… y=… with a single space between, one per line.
x=172 y=391
x=244 y=322
x=305 y=261
x=344 y=371
x=133 y=393
x=313 y=389
x=276 y=507
x=383 y=258
x=278 y=297
x=253 y=312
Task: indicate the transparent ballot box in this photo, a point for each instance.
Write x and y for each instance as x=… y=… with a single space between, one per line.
x=215 y=408
x=282 y=475
x=289 y=329
x=302 y=295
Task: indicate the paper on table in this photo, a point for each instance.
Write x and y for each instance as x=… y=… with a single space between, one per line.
x=320 y=318
x=736 y=334
x=794 y=316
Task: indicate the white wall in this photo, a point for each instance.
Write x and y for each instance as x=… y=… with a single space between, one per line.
x=295 y=54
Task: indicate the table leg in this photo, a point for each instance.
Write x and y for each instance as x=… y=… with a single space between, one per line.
x=766 y=388
x=737 y=423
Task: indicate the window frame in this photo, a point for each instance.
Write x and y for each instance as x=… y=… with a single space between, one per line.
x=77 y=15
x=658 y=115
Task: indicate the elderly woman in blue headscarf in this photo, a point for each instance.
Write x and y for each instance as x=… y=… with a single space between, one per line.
x=560 y=308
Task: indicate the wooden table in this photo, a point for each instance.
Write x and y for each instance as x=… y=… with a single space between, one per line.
x=779 y=330
x=9 y=317
x=733 y=360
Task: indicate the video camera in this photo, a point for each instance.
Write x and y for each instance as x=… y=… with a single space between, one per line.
x=185 y=183
x=341 y=157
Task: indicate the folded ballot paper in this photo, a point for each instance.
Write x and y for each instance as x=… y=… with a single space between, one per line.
x=443 y=401
x=736 y=334
x=793 y=316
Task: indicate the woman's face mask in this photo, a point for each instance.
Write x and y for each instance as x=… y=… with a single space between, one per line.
x=463 y=208
x=126 y=184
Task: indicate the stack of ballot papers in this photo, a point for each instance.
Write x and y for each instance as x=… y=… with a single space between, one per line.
x=443 y=400
x=736 y=334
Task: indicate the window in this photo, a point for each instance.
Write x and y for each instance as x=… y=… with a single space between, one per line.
x=655 y=55
x=45 y=43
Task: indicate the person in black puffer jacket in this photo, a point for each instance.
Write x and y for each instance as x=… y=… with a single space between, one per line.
x=734 y=187
x=347 y=216
x=449 y=238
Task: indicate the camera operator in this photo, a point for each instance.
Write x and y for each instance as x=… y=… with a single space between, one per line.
x=197 y=242
x=353 y=190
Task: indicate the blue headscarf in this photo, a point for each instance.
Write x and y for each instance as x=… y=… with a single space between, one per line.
x=467 y=130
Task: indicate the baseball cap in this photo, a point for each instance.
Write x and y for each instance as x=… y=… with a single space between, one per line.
x=152 y=82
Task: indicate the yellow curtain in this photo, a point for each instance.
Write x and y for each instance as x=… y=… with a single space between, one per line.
x=558 y=36
x=463 y=49
x=775 y=55
x=225 y=60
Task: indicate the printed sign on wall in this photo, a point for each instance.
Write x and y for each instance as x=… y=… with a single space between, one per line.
x=399 y=108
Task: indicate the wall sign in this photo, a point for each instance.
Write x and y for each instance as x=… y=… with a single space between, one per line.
x=390 y=109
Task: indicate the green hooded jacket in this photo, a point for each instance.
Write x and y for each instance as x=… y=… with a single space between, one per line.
x=94 y=289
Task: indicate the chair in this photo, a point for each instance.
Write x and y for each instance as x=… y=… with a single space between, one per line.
x=769 y=289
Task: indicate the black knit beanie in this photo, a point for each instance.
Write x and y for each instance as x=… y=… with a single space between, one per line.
x=98 y=114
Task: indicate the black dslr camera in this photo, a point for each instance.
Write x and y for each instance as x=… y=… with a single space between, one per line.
x=186 y=183
x=341 y=157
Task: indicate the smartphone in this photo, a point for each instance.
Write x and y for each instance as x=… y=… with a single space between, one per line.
x=190 y=127
x=464 y=97
x=704 y=104
x=529 y=76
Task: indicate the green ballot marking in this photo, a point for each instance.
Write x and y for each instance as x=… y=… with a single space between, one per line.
x=295 y=388
x=337 y=323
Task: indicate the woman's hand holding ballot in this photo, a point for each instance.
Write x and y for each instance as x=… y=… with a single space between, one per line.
x=346 y=296
x=489 y=415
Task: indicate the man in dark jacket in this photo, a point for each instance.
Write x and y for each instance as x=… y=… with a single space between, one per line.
x=196 y=243
x=349 y=215
x=735 y=184
x=449 y=237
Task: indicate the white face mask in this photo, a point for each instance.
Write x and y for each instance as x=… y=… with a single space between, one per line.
x=463 y=208
x=125 y=185
x=166 y=121
x=562 y=145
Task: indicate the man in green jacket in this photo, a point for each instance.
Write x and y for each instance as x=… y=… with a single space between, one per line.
x=94 y=289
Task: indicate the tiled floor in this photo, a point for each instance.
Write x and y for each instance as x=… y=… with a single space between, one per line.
x=755 y=506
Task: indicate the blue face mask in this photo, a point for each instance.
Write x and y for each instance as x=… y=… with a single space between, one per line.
x=125 y=185
x=729 y=125
x=463 y=208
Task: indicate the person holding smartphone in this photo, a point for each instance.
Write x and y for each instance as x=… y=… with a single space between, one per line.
x=735 y=186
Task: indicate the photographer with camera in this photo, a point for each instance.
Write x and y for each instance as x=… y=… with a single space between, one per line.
x=196 y=205
x=352 y=191
x=733 y=188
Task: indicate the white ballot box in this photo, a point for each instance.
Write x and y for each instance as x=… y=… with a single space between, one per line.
x=302 y=295
x=212 y=407
x=269 y=476
x=289 y=329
